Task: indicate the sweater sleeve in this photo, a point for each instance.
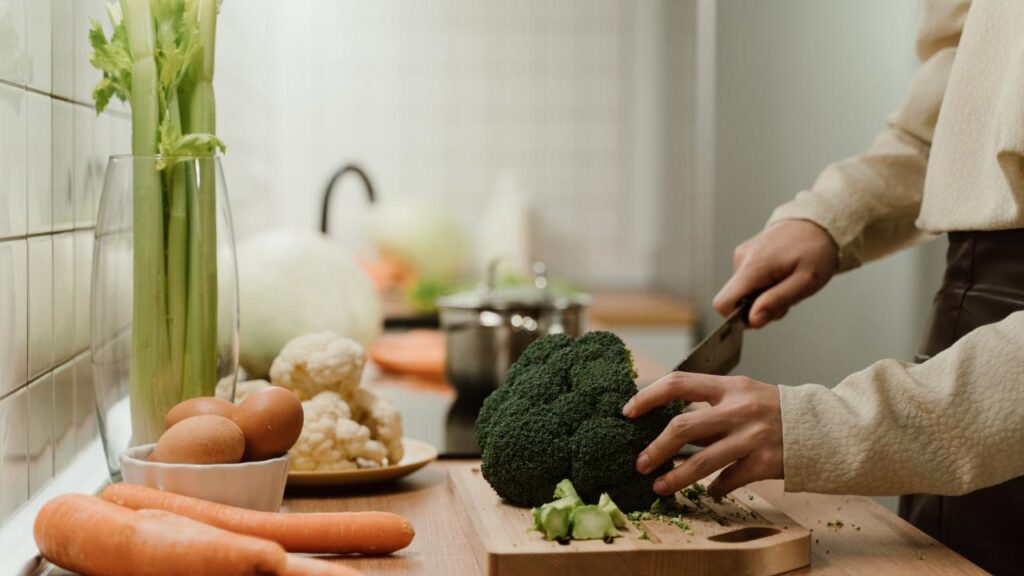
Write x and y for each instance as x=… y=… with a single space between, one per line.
x=869 y=203
x=950 y=425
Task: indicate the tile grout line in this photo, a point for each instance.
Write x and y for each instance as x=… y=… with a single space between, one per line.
x=51 y=370
x=49 y=233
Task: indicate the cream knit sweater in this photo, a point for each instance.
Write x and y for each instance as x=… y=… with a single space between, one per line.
x=952 y=158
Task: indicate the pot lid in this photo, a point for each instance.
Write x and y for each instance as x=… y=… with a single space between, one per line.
x=538 y=295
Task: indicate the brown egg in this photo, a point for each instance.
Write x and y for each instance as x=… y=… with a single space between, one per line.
x=271 y=420
x=197 y=406
x=203 y=439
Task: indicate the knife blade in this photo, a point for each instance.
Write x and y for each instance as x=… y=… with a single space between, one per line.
x=720 y=352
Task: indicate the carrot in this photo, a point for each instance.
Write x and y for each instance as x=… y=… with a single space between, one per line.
x=331 y=533
x=306 y=566
x=92 y=537
x=294 y=565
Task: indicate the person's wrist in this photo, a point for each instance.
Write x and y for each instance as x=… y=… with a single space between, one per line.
x=836 y=250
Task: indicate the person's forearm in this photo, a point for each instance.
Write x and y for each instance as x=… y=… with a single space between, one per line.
x=868 y=203
x=951 y=425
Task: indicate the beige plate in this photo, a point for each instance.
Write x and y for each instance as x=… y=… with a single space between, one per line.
x=417 y=455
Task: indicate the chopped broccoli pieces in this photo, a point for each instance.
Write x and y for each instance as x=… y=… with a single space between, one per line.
x=569 y=516
x=592 y=523
x=608 y=505
x=565 y=489
x=553 y=519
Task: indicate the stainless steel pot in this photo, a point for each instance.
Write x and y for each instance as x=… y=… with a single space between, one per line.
x=487 y=329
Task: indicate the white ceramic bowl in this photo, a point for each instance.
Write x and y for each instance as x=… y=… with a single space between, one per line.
x=252 y=485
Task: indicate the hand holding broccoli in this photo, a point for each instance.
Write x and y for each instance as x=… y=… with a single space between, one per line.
x=742 y=430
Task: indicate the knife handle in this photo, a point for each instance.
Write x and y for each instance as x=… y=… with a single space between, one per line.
x=747 y=302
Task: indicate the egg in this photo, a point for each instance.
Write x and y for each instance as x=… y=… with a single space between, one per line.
x=203 y=439
x=271 y=421
x=197 y=406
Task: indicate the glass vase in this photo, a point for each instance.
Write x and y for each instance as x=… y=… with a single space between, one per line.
x=164 y=295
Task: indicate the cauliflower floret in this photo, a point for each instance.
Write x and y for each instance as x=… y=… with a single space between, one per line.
x=330 y=440
x=317 y=362
x=383 y=420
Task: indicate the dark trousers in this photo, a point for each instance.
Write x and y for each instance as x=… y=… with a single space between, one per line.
x=983 y=284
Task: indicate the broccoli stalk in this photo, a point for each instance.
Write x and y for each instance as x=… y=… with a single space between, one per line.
x=592 y=523
x=565 y=489
x=608 y=505
x=553 y=519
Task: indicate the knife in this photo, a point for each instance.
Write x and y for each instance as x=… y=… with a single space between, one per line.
x=719 y=353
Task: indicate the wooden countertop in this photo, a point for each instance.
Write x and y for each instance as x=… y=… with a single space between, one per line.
x=641 y=308
x=871 y=541
x=647 y=308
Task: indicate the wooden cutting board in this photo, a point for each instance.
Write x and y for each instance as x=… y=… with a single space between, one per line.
x=743 y=535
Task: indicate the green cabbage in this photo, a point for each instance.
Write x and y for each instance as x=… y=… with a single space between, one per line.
x=294 y=283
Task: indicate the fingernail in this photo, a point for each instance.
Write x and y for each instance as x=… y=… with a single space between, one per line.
x=660 y=487
x=627 y=410
x=642 y=463
x=758 y=319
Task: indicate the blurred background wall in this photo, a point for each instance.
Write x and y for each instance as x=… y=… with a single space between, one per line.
x=650 y=136
x=801 y=83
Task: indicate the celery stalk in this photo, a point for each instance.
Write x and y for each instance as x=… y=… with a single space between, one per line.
x=177 y=260
x=160 y=59
x=200 y=369
x=150 y=354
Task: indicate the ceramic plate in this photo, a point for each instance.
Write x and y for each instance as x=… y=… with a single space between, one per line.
x=417 y=455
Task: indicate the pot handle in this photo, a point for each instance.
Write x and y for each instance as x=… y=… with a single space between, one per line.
x=328 y=190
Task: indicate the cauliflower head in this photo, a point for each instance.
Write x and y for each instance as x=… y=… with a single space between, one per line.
x=331 y=440
x=319 y=362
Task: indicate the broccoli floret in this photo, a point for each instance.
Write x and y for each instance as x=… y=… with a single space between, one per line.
x=538 y=352
x=527 y=456
x=558 y=415
x=602 y=455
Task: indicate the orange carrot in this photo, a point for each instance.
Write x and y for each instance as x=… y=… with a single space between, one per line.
x=306 y=566
x=294 y=565
x=87 y=535
x=330 y=533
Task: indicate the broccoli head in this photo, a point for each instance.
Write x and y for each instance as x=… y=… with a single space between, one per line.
x=558 y=415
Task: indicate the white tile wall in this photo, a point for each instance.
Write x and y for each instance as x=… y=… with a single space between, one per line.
x=63 y=47
x=12 y=49
x=438 y=100
x=13 y=452
x=13 y=142
x=62 y=131
x=39 y=174
x=13 y=315
x=53 y=150
x=40 y=432
x=40 y=305
x=38 y=27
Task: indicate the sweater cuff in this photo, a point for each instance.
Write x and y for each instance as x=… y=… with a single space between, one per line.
x=802 y=427
x=806 y=207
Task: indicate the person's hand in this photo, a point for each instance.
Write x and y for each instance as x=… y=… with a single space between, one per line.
x=742 y=430
x=796 y=258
